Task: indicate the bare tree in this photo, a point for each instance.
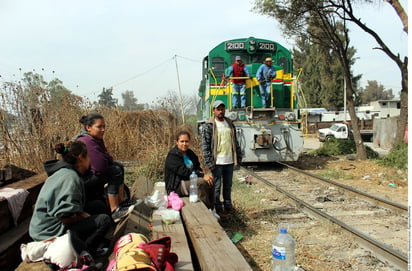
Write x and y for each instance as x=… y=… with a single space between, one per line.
x=171 y=103
x=349 y=15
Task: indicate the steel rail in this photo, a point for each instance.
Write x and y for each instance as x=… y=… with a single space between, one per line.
x=376 y=199
x=378 y=248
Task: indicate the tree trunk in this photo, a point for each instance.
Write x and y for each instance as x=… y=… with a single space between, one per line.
x=360 y=147
x=403 y=117
x=401 y=13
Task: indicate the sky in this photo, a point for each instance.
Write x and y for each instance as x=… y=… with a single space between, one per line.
x=152 y=47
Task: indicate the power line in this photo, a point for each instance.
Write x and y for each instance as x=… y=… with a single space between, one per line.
x=189 y=59
x=143 y=73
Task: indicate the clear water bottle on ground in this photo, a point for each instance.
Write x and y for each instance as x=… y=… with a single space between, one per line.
x=283 y=250
x=193 y=187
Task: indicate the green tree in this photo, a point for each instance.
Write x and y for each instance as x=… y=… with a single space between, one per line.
x=59 y=94
x=106 y=98
x=322 y=74
x=374 y=92
x=129 y=101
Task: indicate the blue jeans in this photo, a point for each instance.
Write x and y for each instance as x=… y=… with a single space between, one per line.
x=239 y=90
x=264 y=92
x=222 y=175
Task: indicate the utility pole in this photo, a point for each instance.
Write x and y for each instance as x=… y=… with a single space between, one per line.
x=180 y=91
x=344 y=99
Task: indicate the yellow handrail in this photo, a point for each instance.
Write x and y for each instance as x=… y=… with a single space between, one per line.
x=251 y=88
x=272 y=100
x=220 y=86
x=293 y=88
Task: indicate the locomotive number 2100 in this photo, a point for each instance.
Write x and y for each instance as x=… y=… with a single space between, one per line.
x=235 y=45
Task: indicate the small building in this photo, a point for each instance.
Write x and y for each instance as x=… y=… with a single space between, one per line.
x=387 y=108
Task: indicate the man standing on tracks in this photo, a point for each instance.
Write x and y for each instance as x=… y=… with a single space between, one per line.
x=221 y=152
x=264 y=75
x=238 y=69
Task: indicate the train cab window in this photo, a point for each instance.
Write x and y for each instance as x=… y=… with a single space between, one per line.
x=205 y=68
x=218 y=65
x=283 y=62
x=260 y=58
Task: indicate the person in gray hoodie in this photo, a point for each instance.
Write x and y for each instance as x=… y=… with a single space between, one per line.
x=61 y=204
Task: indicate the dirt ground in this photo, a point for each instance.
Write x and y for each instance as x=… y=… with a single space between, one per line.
x=365 y=175
x=320 y=253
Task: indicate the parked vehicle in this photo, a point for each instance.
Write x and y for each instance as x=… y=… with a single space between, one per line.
x=342 y=131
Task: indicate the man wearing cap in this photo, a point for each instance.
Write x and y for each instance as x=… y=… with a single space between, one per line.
x=264 y=75
x=238 y=69
x=221 y=152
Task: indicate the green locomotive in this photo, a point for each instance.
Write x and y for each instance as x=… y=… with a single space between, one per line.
x=265 y=134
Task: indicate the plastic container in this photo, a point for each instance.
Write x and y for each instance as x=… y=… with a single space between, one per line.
x=193 y=187
x=283 y=250
x=170 y=216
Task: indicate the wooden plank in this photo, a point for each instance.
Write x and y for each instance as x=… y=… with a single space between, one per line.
x=142 y=221
x=33 y=185
x=141 y=188
x=12 y=236
x=10 y=245
x=177 y=234
x=139 y=220
x=214 y=249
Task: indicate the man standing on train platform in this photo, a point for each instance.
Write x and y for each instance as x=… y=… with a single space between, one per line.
x=238 y=69
x=221 y=152
x=264 y=75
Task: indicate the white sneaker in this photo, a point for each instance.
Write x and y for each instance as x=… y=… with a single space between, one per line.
x=215 y=214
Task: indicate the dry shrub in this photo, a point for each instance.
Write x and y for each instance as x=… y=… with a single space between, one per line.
x=29 y=130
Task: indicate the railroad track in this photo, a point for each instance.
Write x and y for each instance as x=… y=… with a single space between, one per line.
x=377 y=224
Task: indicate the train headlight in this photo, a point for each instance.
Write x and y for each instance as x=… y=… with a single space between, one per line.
x=290 y=116
x=232 y=116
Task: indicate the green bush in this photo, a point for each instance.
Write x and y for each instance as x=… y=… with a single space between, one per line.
x=341 y=147
x=397 y=158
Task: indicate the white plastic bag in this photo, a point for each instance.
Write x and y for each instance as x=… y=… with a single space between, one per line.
x=158 y=198
x=170 y=216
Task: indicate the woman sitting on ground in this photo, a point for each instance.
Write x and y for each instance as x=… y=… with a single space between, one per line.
x=181 y=161
x=61 y=204
x=103 y=169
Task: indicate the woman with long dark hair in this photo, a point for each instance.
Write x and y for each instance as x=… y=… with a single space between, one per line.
x=181 y=161
x=103 y=169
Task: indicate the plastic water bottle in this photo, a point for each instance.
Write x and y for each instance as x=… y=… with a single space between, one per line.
x=193 y=187
x=283 y=250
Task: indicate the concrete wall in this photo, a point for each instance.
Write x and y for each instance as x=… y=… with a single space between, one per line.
x=384 y=132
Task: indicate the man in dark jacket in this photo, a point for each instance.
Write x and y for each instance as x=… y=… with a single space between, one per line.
x=221 y=152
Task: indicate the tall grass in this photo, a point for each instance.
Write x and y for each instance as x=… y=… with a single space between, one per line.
x=32 y=121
